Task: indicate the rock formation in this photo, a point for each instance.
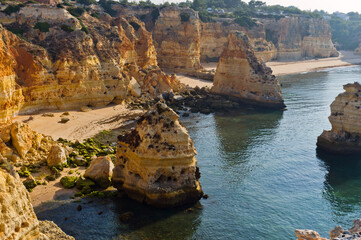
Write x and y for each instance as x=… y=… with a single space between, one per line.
x=21 y=145
x=240 y=74
x=68 y=62
x=177 y=39
x=338 y=233
x=156 y=161
x=214 y=37
x=17 y=219
x=345 y=135
x=300 y=37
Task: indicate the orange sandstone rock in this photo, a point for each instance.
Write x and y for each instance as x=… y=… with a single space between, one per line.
x=240 y=74
x=156 y=161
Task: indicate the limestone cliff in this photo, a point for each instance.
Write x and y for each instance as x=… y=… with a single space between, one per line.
x=290 y=38
x=70 y=62
x=17 y=218
x=177 y=39
x=214 y=37
x=156 y=161
x=345 y=135
x=300 y=37
x=240 y=74
x=338 y=233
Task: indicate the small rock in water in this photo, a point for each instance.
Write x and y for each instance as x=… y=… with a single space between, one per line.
x=205 y=196
x=189 y=210
x=79 y=208
x=125 y=217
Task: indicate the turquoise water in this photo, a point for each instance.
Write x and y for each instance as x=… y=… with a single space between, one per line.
x=260 y=169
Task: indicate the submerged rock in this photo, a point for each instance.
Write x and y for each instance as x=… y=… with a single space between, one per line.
x=156 y=161
x=240 y=74
x=345 y=135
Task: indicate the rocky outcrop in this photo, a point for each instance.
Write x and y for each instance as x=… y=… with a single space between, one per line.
x=240 y=74
x=345 y=135
x=338 y=233
x=21 y=145
x=176 y=37
x=156 y=161
x=68 y=62
x=17 y=219
x=300 y=37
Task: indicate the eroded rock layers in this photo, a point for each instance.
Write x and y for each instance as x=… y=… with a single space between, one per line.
x=177 y=39
x=338 y=233
x=68 y=62
x=240 y=74
x=156 y=161
x=345 y=135
x=17 y=218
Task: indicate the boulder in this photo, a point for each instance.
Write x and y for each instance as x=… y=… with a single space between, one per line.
x=101 y=171
x=134 y=88
x=57 y=156
x=21 y=137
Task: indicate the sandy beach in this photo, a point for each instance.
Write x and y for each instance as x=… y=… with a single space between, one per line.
x=81 y=125
x=346 y=58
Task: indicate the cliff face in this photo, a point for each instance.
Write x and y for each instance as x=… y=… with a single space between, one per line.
x=346 y=122
x=156 y=161
x=299 y=37
x=17 y=219
x=240 y=74
x=214 y=37
x=73 y=63
x=290 y=38
x=177 y=40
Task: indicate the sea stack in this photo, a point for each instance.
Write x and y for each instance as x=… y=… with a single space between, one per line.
x=345 y=135
x=240 y=74
x=156 y=161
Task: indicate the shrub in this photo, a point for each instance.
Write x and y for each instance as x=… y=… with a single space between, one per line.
x=155 y=14
x=67 y=28
x=86 y=2
x=42 y=26
x=66 y=3
x=245 y=21
x=95 y=15
x=59 y=5
x=83 y=27
x=13 y=9
x=205 y=16
x=76 y=12
x=184 y=17
x=135 y=25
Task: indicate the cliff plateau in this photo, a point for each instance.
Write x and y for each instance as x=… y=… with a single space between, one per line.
x=156 y=161
x=240 y=74
x=345 y=135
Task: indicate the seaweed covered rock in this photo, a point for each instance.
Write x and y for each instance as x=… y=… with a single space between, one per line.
x=156 y=161
x=345 y=135
x=240 y=74
x=101 y=171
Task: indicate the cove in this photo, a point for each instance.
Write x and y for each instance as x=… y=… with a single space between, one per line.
x=260 y=169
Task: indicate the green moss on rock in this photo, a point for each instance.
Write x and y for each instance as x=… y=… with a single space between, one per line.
x=68 y=181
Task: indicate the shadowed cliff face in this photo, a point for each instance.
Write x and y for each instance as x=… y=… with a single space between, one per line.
x=75 y=62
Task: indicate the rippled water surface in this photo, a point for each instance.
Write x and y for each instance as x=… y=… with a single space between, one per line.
x=260 y=169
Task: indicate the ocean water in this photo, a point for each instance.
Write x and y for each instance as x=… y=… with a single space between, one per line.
x=260 y=169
